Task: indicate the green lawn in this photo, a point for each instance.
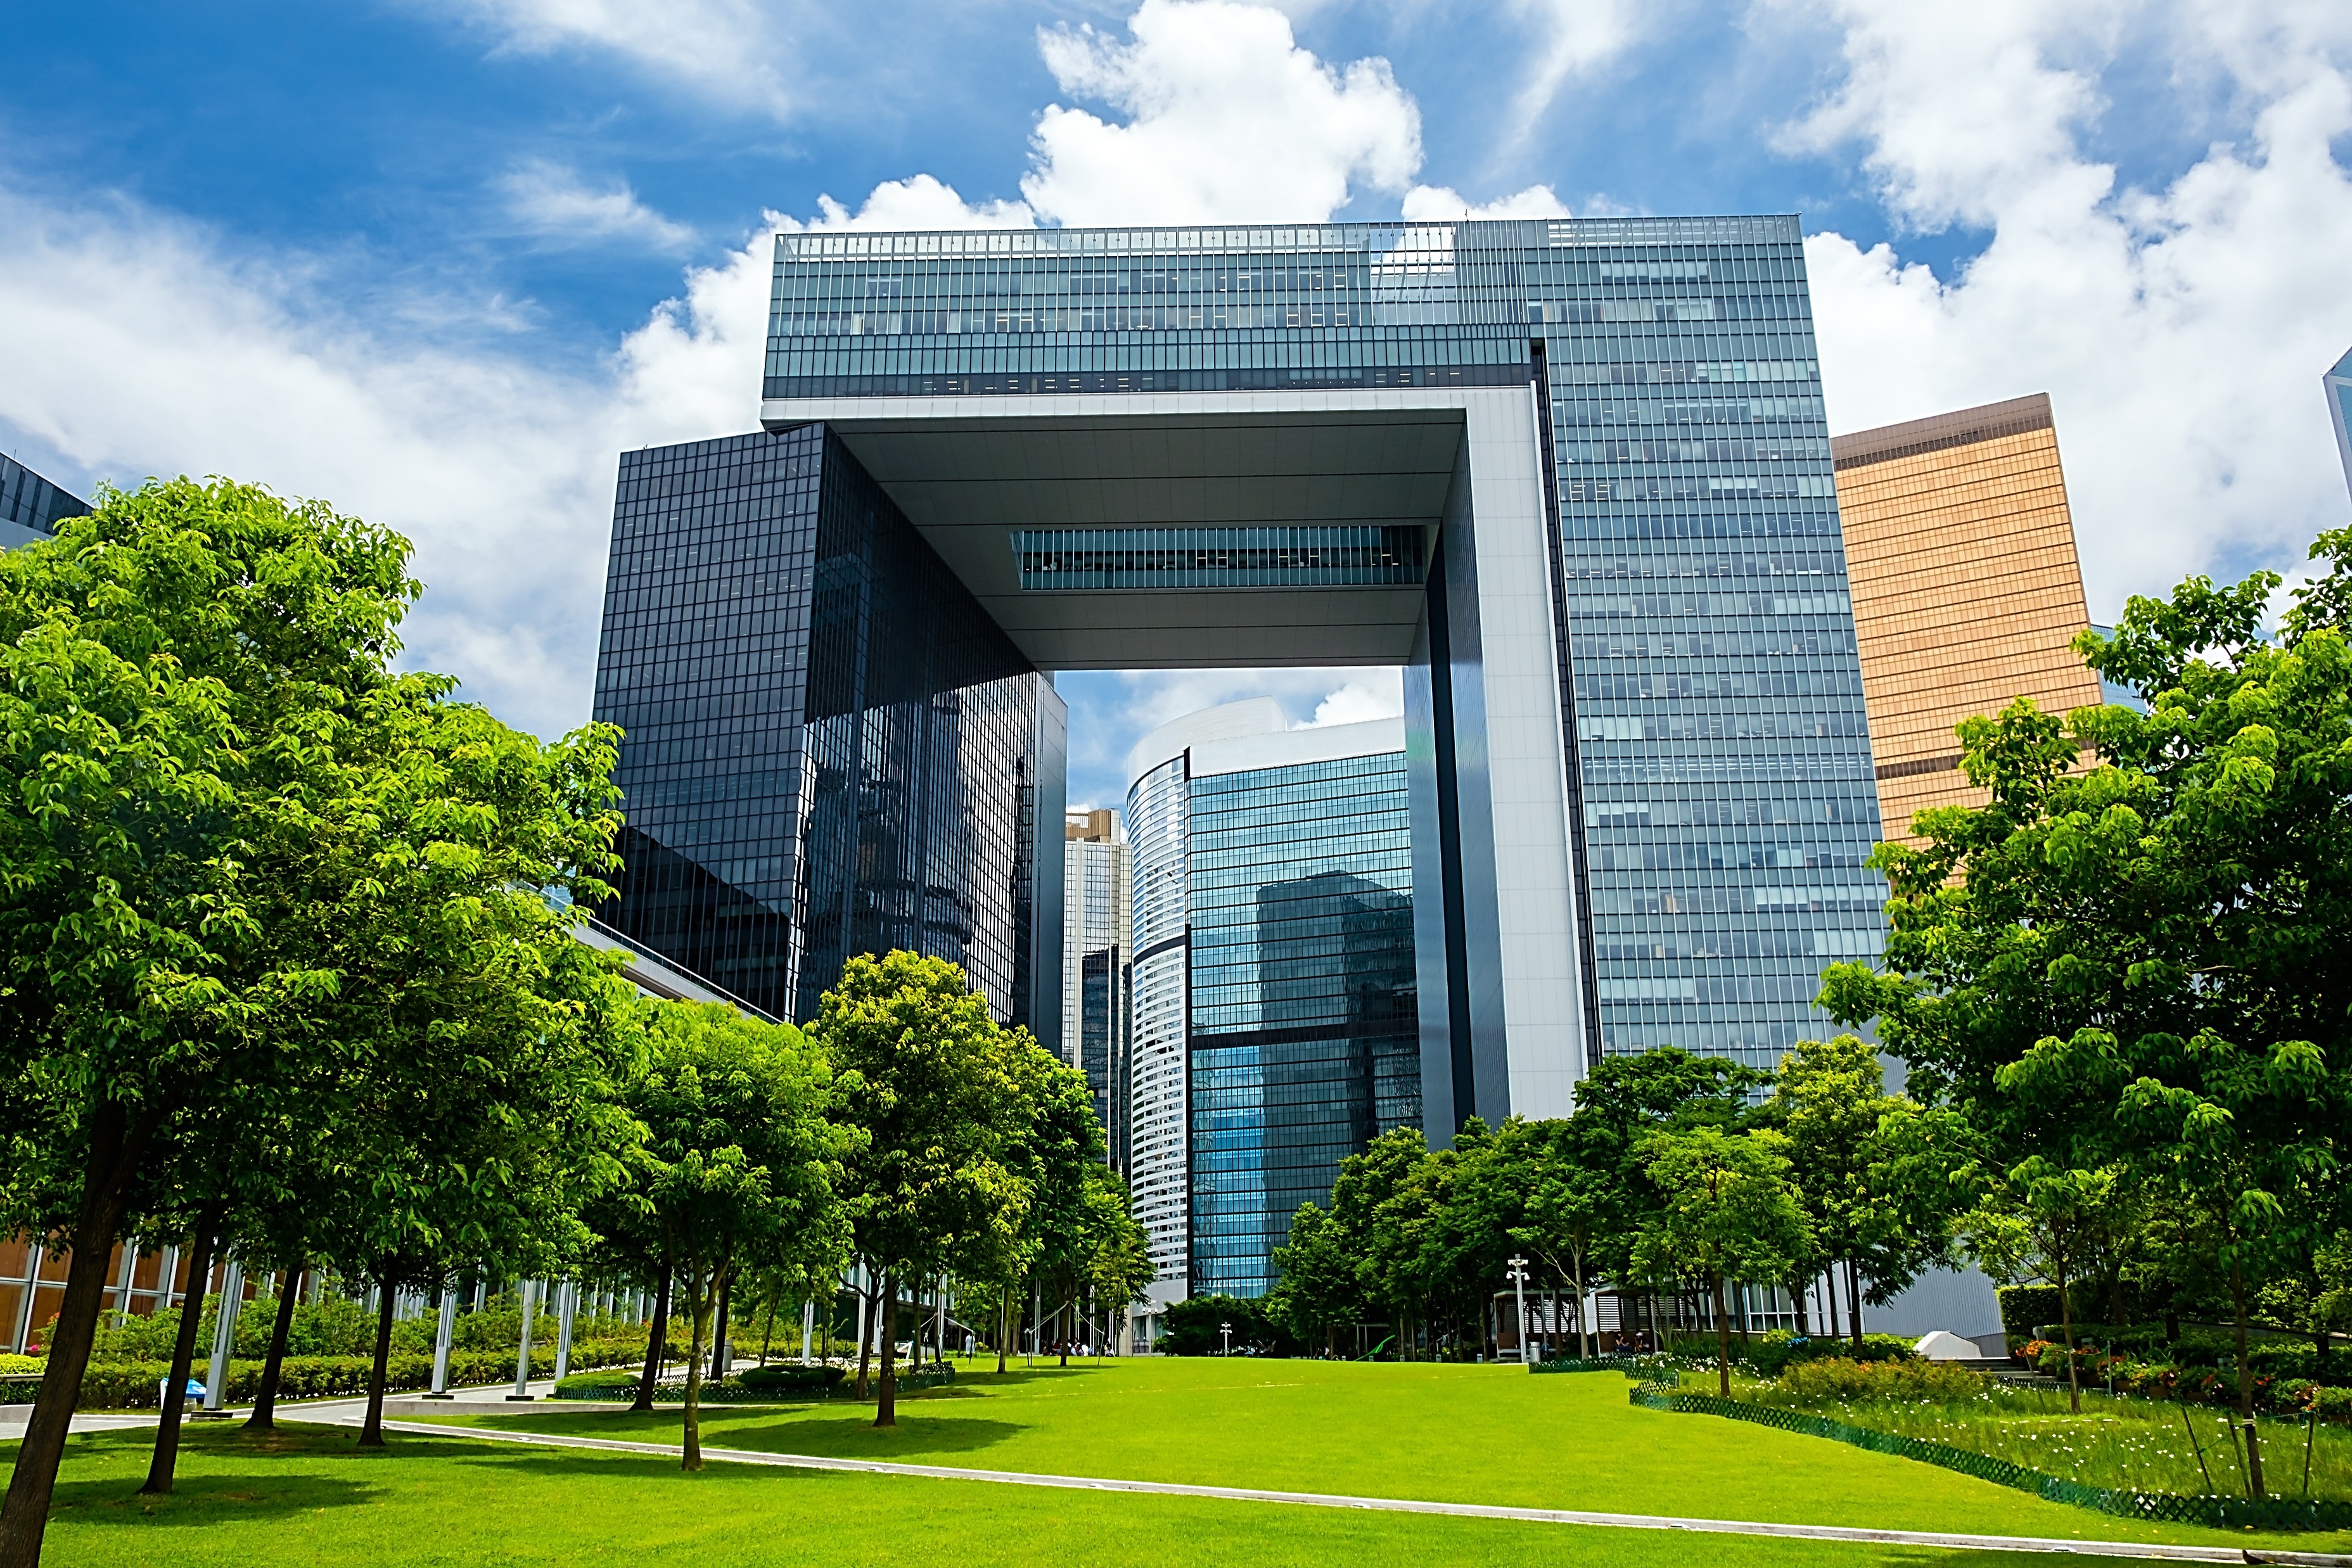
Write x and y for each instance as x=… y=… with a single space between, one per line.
x=1453 y=1433
x=1470 y=1434
x=309 y=1497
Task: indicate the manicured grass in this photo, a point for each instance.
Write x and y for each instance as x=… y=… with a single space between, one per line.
x=1459 y=1434
x=2116 y=1442
x=310 y=1497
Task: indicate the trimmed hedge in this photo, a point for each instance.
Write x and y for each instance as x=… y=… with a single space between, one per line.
x=790 y=1377
x=120 y=1384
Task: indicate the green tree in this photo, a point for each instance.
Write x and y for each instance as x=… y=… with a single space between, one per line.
x=1865 y=1209
x=2046 y=1222
x=171 y=666
x=738 y=1162
x=1729 y=1214
x=478 y=1113
x=923 y=1073
x=1319 y=1294
x=2139 y=963
x=1544 y=1189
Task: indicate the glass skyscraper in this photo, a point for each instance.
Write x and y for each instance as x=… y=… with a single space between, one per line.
x=1303 y=1043
x=830 y=749
x=1573 y=477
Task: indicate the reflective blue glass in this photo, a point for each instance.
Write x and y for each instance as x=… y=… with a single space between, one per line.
x=830 y=748
x=1303 y=1040
x=1722 y=797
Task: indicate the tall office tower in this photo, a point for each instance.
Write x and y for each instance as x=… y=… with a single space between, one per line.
x=1096 y=910
x=2338 y=382
x=30 y=506
x=1278 y=1029
x=831 y=749
x=1967 y=589
x=1572 y=475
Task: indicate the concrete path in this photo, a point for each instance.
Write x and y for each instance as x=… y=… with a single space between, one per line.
x=1399 y=1505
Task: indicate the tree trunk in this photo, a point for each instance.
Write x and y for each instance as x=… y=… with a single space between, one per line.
x=885 y=1413
x=768 y=1334
x=656 y=1341
x=1853 y=1302
x=166 y=1456
x=114 y=1151
x=1004 y=1324
x=372 y=1428
x=265 y=1404
x=700 y=1301
x=2246 y=1386
x=1796 y=1295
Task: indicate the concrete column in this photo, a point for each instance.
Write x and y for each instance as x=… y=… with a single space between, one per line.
x=224 y=1333
x=522 y=1355
x=808 y=1327
x=567 y=1304
x=441 y=1345
x=35 y=1255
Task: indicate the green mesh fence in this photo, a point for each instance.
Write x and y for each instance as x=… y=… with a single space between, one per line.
x=2219 y=1512
x=1640 y=1372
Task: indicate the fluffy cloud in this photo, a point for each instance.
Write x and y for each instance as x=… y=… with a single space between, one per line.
x=730 y=52
x=553 y=204
x=2180 y=329
x=1442 y=203
x=1227 y=119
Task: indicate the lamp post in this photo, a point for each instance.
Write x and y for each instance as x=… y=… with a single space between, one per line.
x=1518 y=1278
x=1227 y=1329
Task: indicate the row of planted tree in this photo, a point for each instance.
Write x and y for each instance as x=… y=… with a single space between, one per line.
x=2122 y=987
x=287 y=967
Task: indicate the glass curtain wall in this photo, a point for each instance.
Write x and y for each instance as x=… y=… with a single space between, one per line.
x=799 y=787
x=1722 y=797
x=1304 y=1043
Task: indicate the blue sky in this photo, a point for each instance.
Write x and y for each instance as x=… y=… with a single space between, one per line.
x=439 y=261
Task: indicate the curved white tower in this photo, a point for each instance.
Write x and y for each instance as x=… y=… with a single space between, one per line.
x=1157 y=814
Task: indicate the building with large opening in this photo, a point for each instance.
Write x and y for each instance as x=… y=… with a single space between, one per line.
x=1572 y=477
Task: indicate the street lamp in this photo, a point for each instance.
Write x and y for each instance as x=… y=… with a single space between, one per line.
x=1518 y=1278
x=1227 y=1329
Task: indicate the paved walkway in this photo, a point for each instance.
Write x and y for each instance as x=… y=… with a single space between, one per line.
x=1398 y=1505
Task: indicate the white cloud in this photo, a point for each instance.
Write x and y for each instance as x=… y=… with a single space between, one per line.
x=165 y=351
x=1227 y=119
x=919 y=203
x=733 y=53
x=554 y=204
x=1376 y=694
x=1442 y=203
x=1579 y=35
x=2180 y=329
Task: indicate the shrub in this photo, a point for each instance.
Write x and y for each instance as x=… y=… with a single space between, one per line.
x=21 y=1364
x=597 y=1384
x=789 y=1377
x=1768 y=1354
x=1929 y=1382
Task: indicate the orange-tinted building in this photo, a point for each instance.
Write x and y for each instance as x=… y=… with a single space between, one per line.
x=1967 y=590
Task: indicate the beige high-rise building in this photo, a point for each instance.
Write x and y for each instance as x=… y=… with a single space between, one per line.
x=1967 y=590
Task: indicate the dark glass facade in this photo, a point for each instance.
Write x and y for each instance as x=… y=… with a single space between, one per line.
x=1302 y=1043
x=831 y=749
x=30 y=506
x=1721 y=791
